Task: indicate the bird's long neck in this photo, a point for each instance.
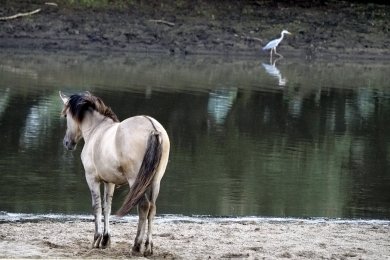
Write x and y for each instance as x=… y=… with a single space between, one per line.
x=282 y=35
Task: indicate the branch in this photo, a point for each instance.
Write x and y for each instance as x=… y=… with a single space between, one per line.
x=19 y=15
x=163 y=22
x=248 y=38
x=51 y=3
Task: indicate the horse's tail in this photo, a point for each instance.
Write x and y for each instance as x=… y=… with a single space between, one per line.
x=146 y=173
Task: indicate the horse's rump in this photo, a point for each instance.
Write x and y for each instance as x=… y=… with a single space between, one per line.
x=146 y=173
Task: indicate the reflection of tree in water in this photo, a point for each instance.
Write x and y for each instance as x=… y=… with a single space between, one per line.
x=369 y=164
x=31 y=156
x=302 y=149
x=267 y=159
x=219 y=104
x=39 y=121
x=4 y=99
x=328 y=139
x=240 y=164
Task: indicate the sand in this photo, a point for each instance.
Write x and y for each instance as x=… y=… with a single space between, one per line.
x=203 y=238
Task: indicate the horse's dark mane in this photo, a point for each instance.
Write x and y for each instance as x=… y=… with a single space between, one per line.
x=79 y=104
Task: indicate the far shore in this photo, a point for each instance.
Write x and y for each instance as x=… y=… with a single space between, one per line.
x=333 y=30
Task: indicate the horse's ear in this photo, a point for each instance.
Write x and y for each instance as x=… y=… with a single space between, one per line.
x=64 y=97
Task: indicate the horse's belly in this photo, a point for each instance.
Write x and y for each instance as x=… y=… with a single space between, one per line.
x=116 y=177
x=111 y=171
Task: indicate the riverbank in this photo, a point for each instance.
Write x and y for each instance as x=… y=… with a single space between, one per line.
x=201 y=238
x=334 y=30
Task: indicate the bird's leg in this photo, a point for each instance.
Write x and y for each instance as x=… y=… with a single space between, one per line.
x=280 y=55
x=270 y=56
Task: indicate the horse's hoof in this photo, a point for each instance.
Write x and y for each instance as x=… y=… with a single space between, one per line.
x=106 y=241
x=148 y=249
x=136 y=250
x=148 y=252
x=96 y=240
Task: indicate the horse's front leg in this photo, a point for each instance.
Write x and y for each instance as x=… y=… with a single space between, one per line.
x=108 y=193
x=94 y=187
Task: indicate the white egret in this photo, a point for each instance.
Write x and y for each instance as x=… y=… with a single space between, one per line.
x=274 y=43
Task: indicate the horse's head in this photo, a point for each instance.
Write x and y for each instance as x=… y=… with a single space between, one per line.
x=76 y=109
x=73 y=131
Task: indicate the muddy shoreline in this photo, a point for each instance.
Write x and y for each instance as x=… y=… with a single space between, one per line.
x=337 y=30
x=205 y=238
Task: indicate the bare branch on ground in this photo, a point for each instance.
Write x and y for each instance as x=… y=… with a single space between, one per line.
x=5 y=18
x=163 y=22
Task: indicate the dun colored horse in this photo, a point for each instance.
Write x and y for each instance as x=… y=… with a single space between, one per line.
x=134 y=151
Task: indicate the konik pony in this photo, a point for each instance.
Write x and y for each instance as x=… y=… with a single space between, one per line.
x=134 y=151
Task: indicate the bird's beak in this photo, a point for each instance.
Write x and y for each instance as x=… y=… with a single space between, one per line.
x=289 y=33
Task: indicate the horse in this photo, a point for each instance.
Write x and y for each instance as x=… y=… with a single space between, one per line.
x=134 y=152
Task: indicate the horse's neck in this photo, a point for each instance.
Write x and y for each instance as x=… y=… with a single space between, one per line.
x=92 y=123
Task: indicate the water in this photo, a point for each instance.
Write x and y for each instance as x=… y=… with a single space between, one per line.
x=290 y=139
x=22 y=217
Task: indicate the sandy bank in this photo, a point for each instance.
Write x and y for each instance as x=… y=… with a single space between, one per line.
x=202 y=239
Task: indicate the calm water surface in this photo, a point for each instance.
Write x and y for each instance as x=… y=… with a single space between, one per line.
x=249 y=138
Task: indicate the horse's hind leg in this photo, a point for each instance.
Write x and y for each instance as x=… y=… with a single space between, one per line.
x=152 y=213
x=143 y=211
x=108 y=193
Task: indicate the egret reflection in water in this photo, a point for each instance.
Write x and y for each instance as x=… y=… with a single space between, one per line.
x=272 y=70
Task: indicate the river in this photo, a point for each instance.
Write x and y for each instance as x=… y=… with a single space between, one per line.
x=249 y=137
